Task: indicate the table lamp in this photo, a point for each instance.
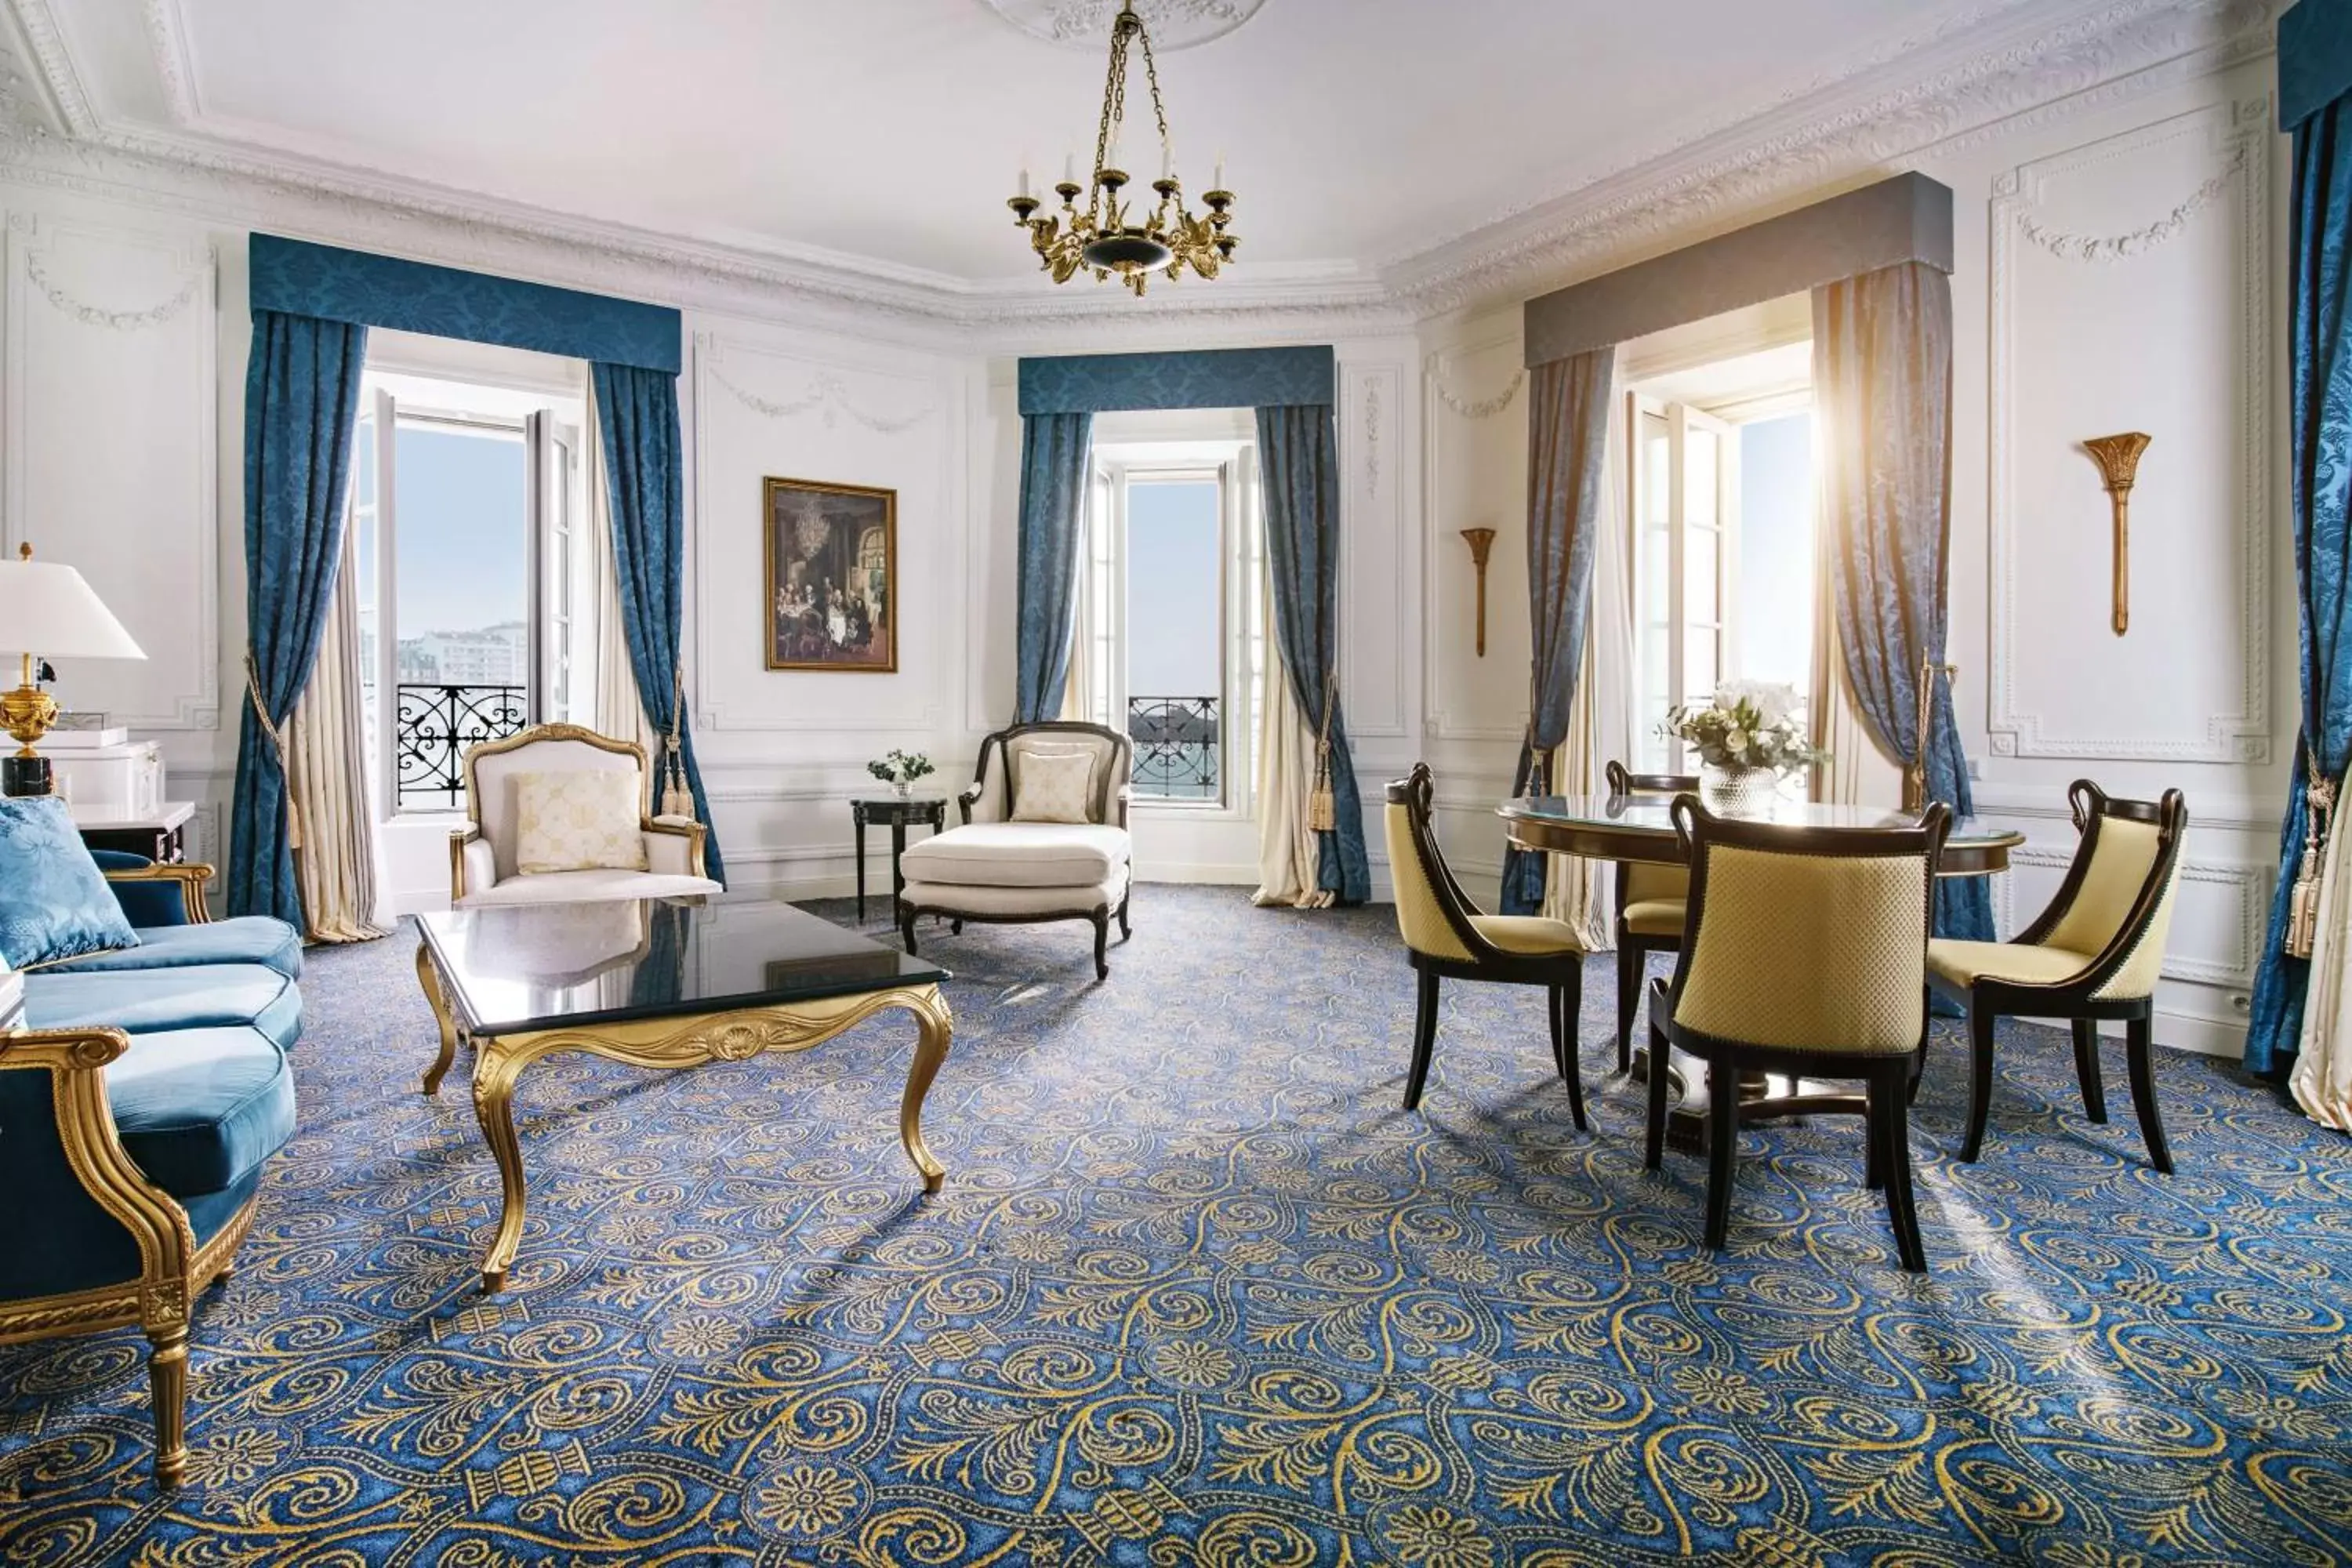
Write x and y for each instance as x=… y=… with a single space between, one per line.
x=46 y=609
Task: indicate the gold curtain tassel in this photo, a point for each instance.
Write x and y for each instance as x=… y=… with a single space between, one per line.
x=1322 y=803
x=277 y=744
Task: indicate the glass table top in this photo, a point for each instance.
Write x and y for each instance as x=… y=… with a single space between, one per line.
x=536 y=967
x=1653 y=814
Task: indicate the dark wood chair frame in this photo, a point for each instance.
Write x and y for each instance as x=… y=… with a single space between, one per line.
x=1634 y=948
x=1886 y=1113
x=1561 y=975
x=1112 y=808
x=1987 y=1001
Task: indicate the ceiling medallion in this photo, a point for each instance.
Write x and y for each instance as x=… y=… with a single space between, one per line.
x=1110 y=238
x=1077 y=24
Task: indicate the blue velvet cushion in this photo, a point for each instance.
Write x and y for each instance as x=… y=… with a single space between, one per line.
x=200 y=1110
x=247 y=939
x=161 y=902
x=54 y=903
x=145 y=1000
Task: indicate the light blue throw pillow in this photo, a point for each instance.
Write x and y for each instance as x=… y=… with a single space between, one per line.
x=53 y=901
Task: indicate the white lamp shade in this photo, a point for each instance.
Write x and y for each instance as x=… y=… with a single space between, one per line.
x=47 y=610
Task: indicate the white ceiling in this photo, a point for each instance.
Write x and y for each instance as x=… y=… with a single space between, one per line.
x=1358 y=133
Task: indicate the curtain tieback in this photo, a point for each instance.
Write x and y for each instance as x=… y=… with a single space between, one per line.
x=1322 y=805
x=277 y=744
x=2318 y=821
x=677 y=796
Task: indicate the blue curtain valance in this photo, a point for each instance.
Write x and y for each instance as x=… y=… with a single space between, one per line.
x=1214 y=378
x=366 y=291
x=2315 y=58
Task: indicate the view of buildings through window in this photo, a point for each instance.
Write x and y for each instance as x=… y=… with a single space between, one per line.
x=462 y=525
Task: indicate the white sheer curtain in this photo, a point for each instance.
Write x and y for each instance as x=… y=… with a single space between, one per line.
x=2321 y=1080
x=1288 y=851
x=326 y=772
x=1600 y=719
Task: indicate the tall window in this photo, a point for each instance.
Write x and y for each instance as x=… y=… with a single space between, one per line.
x=1171 y=616
x=471 y=569
x=1722 y=524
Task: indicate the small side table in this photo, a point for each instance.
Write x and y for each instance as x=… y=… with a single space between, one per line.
x=159 y=835
x=898 y=810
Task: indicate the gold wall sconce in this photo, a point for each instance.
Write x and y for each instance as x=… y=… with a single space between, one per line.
x=2118 y=460
x=1481 y=540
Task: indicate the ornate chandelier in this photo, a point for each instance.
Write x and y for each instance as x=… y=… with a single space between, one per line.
x=1109 y=237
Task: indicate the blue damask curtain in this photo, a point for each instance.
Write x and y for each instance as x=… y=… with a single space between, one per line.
x=1883 y=384
x=1053 y=448
x=301 y=394
x=1568 y=437
x=1298 y=447
x=636 y=414
x=2320 y=378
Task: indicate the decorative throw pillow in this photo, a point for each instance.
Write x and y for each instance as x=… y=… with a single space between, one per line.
x=1055 y=788
x=583 y=820
x=54 y=901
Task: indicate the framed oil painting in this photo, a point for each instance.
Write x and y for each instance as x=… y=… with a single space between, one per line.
x=833 y=577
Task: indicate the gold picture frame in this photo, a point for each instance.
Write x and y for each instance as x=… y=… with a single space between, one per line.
x=832 y=578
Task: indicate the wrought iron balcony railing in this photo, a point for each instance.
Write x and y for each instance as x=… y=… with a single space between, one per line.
x=432 y=727
x=1177 y=746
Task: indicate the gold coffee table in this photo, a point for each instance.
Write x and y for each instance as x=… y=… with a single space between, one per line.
x=661 y=983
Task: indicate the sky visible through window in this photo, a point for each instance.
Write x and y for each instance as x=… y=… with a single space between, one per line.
x=461 y=540
x=1172 y=562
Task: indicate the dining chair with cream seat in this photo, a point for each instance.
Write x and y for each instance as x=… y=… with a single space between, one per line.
x=1804 y=953
x=1649 y=905
x=1447 y=938
x=2094 y=954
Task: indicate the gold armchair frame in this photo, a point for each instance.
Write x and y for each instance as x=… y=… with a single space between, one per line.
x=172 y=1269
x=694 y=833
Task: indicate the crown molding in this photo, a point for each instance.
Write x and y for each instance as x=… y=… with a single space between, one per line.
x=1988 y=68
x=2122 y=49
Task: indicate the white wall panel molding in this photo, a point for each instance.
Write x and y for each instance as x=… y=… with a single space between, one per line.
x=1475 y=475
x=2072 y=355
x=1473 y=407
x=1376 y=621
x=109 y=443
x=748 y=437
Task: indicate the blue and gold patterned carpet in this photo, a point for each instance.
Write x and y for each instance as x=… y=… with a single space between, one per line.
x=1197 y=1292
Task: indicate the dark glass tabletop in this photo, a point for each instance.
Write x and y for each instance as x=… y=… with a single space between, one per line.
x=539 y=966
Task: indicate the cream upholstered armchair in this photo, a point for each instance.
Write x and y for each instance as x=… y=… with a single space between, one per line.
x=1805 y=953
x=2095 y=953
x=484 y=855
x=1029 y=849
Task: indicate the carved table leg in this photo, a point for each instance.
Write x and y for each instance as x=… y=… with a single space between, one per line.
x=930 y=1050
x=495 y=1071
x=430 y=982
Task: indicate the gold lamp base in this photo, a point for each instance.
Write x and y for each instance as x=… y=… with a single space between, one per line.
x=26 y=714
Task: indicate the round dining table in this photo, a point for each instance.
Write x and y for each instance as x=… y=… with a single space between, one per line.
x=1641 y=827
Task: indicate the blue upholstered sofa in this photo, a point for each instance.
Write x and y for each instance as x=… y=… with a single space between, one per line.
x=141 y=1091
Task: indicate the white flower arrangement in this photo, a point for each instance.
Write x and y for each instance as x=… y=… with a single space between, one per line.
x=1747 y=724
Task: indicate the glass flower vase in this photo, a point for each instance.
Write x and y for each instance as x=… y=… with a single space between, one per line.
x=1737 y=791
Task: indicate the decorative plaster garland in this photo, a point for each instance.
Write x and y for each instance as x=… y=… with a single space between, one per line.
x=827 y=392
x=2087 y=248
x=114 y=320
x=1486 y=407
x=1372 y=440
